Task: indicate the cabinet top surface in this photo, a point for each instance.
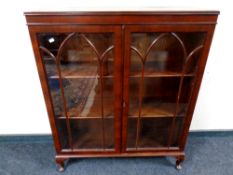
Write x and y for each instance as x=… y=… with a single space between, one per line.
x=122 y=16
x=125 y=11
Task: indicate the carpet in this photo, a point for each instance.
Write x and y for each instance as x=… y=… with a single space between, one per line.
x=207 y=153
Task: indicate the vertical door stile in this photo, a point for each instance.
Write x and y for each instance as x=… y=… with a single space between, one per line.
x=45 y=87
x=126 y=69
x=118 y=87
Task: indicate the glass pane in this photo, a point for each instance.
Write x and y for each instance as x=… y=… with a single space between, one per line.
x=176 y=134
x=162 y=73
x=88 y=134
x=51 y=71
x=158 y=97
x=154 y=132
x=84 y=93
x=165 y=53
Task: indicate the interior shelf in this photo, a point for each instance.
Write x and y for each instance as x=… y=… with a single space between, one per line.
x=77 y=70
x=80 y=69
x=80 y=117
x=156 y=109
x=94 y=110
x=149 y=110
x=77 y=75
x=160 y=74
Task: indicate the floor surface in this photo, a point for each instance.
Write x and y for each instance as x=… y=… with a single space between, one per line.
x=206 y=154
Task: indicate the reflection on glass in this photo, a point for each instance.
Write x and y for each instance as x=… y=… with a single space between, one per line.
x=79 y=71
x=162 y=73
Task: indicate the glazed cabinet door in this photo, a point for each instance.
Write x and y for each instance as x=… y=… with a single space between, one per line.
x=160 y=70
x=81 y=66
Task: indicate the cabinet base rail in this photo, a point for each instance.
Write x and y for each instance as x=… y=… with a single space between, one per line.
x=62 y=158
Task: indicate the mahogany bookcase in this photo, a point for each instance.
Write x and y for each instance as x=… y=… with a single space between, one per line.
x=119 y=84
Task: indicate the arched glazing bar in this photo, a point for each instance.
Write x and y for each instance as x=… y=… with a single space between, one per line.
x=57 y=61
x=143 y=58
x=100 y=59
x=187 y=61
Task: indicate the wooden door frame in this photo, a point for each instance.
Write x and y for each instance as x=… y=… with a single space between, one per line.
x=118 y=61
x=208 y=29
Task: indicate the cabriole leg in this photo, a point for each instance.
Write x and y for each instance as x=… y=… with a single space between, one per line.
x=179 y=160
x=60 y=164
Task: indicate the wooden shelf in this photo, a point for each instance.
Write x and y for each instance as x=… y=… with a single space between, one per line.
x=81 y=76
x=149 y=110
x=153 y=109
x=160 y=74
x=77 y=117
x=92 y=111
x=77 y=75
x=75 y=71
